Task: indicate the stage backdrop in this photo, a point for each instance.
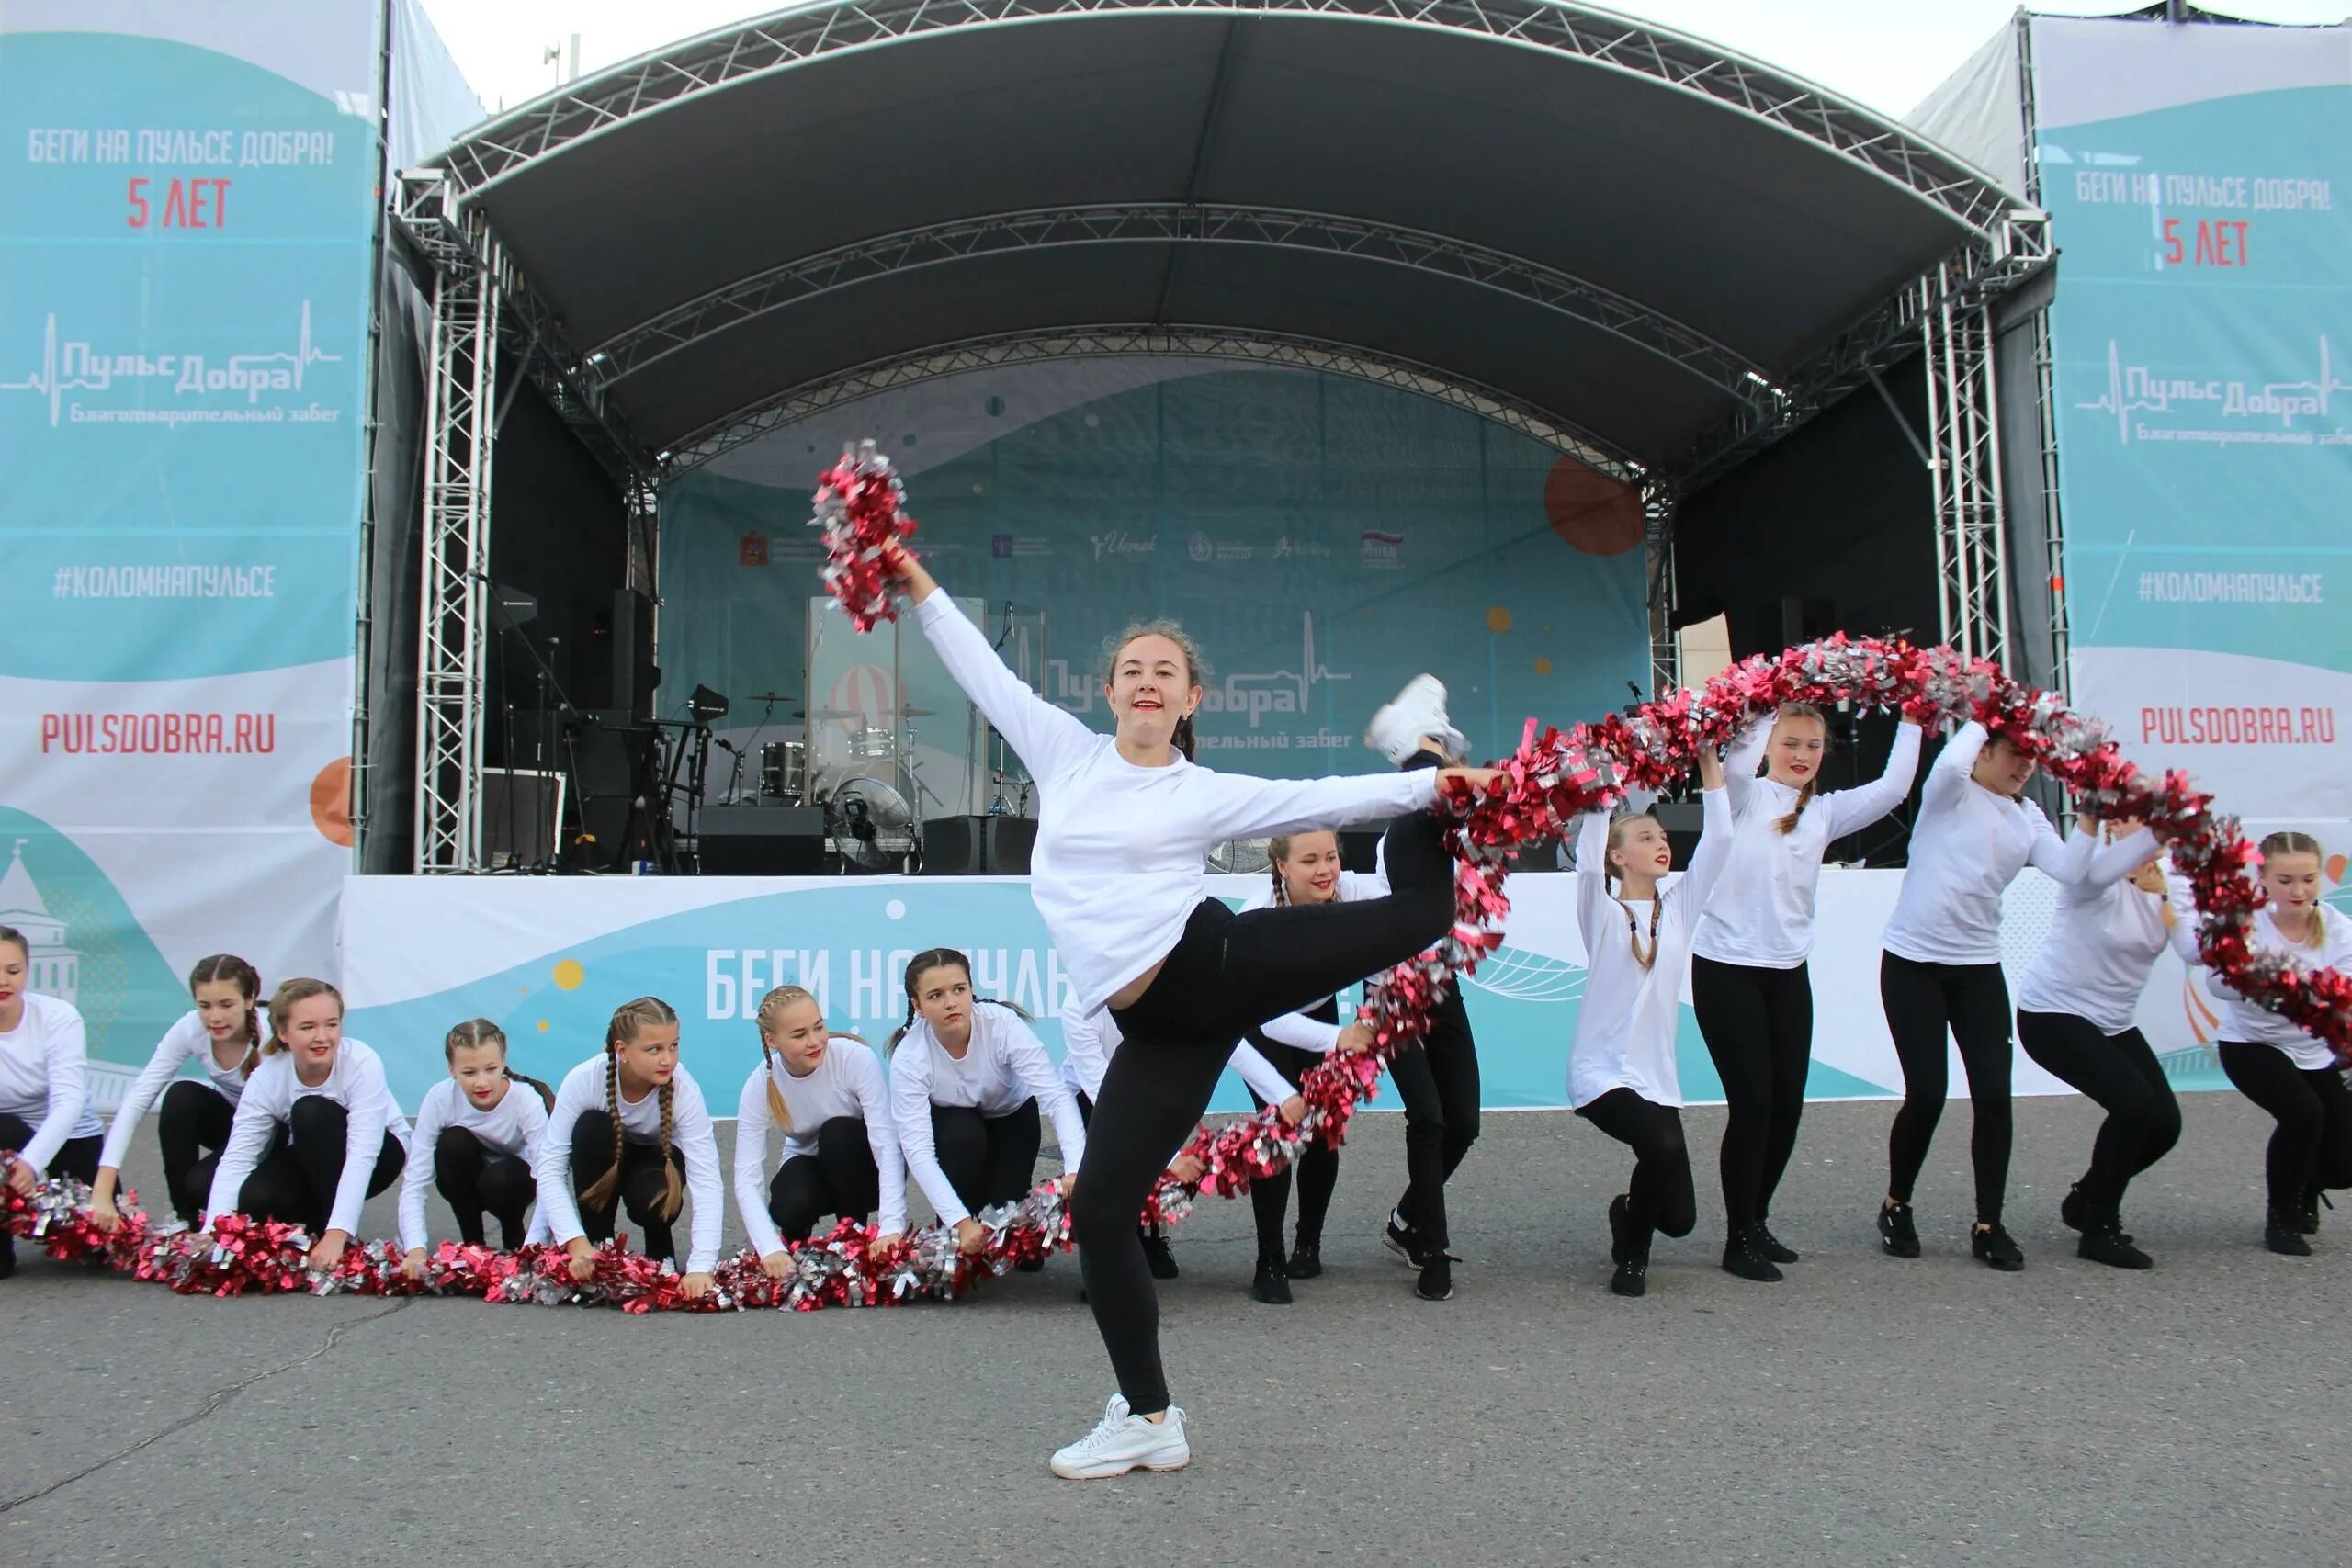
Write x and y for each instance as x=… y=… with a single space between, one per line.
x=189 y=191
x=2199 y=180
x=548 y=959
x=1324 y=540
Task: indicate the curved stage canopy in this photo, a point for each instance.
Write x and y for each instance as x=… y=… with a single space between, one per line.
x=1619 y=239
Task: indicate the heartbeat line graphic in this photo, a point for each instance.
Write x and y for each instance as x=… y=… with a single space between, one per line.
x=74 y=367
x=2133 y=389
x=1309 y=673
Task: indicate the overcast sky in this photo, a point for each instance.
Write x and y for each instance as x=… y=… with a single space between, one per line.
x=1886 y=53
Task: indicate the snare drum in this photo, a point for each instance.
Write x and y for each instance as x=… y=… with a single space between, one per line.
x=873 y=745
x=784 y=770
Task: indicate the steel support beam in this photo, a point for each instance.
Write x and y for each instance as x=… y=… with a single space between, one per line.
x=1963 y=439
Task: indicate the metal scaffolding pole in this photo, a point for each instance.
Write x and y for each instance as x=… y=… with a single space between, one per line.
x=453 y=627
x=1665 y=642
x=1963 y=440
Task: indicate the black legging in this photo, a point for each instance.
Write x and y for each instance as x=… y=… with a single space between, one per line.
x=192 y=1124
x=840 y=1178
x=641 y=1189
x=1149 y=1228
x=1226 y=975
x=2122 y=1074
x=1438 y=1081
x=1973 y=1001
x=472 y=1178
x=296 y=1177
x=1759 y=1028
x=1660 y=1197
x=1318 y=1164
x=988 y=1160
x=76 y=1157
x=2312 y=1147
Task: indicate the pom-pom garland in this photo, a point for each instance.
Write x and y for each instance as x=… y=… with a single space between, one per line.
x=1546 y=784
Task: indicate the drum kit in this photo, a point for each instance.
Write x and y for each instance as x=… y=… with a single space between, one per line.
x=864 y=784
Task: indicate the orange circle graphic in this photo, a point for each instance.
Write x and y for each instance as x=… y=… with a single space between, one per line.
x=1591 y=512
x=331 y=802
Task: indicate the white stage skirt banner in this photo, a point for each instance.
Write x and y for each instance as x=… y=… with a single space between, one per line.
x=548 y=959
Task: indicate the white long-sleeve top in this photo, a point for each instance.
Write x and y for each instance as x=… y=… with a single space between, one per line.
x=847 y=1082
x=1090 y=1039
x=44 y=1077
x=2103 y=942
x=356 y=1083
x=1003 y=1065
x=513 y=1127
x=1967 y=846
x=1121 y=858
x=691 y=1134
x=2248 y=1024
x=1761 y=914
x=184 y=1042
x=1630 y=1015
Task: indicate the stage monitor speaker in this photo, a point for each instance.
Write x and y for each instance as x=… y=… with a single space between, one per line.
x=763 y=840
x=1681 y=820
x=614 y=766
x=1360 y=849
x=977 y=846
x=521 y=816
x=634 y=675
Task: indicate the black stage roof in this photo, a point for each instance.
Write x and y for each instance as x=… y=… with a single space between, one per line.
x=1631 y=234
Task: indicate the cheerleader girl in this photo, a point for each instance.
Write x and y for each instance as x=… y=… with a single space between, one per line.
x=2289 y=1073
x=2075 y=1012
x=1941 y=967
x=484 y=1137
x=1750 y=984
x=44 y=1097
x=967 y=1077
x=222 y=1036
x=1304 y=871
x=825 y=1093
x=1621 y=1073
x=317 y=1132
x=625 y=1124
x=1125 y=824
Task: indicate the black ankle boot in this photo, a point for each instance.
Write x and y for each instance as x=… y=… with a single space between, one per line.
x=1896 y=1230
x=2307 y=1211
x=1161 y=1260
x=2281 y=1235
x=1770 y=1246
x=1743 y=1257
x=1617 y=1207
x=1271 y=1284
x=1307 y=1258
x=1632 y=1278
x=2104 y=1242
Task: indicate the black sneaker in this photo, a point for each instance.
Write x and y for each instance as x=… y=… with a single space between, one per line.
x=1993 y=1248
x=1271 y=1284
x=1743 y=1257
x=1617 y=1207
x=2280 y=1236
x=2307 y=1212
x=1632 y=1278
x=1398 y=1238
x=1030 y=1266
x=1900 y=1236
x=1436 y=1283
x=1306 y=1259
x=1770 y=1246
x=2076 y=1215
x=2107 y=1243
x=1162 y=1261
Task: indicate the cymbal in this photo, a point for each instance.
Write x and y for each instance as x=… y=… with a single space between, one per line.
x=768 y=697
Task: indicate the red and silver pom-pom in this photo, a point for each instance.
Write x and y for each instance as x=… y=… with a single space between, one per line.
x=860 y=509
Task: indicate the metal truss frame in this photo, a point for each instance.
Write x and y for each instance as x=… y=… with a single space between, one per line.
x=791 y=38
x=1964 y=445
x=1660 y=503
x=807 y=277
x=2045 y=392
x=1130 y=340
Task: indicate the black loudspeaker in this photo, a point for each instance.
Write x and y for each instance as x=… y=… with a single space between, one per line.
x=634 y=675
x=521 y=811
x=1681 y=820
x=763 y=840
x=1360 y=849
x=615 y=766
x=977 y=846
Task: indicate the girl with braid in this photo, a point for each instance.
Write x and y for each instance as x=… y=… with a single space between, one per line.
x=484 y=1139
x=222 y=1036
x=625 y=1124
x=824 y=1092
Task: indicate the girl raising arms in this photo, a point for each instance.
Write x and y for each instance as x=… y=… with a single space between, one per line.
x=625 y=1123
x=1623 y=1076
x=824 y=1092
x=317 y=1133
x=482 y=1124
x=1119 y=873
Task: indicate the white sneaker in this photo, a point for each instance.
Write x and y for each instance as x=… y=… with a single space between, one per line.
x=1124 y=1441
x=1419 y=710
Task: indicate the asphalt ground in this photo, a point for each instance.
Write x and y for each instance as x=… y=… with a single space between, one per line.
x=1866 y=1410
